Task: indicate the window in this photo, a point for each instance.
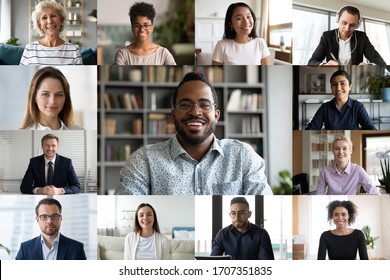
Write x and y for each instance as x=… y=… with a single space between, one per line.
x=379 y=34
x=371 y=145
x=280 y=23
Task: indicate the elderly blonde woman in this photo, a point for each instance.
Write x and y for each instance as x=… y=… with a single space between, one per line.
x=48 y=20
x=344 y=177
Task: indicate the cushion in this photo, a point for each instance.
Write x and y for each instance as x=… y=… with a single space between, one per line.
x=89 y=56
x=180 y=234
x=10 y=55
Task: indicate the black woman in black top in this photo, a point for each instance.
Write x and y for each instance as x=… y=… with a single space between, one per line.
x=342 y=243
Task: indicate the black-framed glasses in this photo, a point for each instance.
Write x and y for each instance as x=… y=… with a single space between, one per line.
x=146 y=26
x=239 y=214
x=45 y=217
x=185 y=106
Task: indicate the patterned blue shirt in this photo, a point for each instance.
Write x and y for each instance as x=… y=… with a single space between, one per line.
x=253 y=244
x=230 y=167
x=351 y=116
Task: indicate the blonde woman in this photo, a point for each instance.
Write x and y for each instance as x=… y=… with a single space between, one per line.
x=343 y=176
x=48 y=19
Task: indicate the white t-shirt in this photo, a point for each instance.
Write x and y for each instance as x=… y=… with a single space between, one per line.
x=145 y=248
x=65 y=54
x=229 y=52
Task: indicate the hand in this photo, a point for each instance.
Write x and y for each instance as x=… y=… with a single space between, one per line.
x=362 y=63
x=46 y=190
x=332 y=62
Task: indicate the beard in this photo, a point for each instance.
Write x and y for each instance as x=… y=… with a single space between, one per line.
x=192 y=139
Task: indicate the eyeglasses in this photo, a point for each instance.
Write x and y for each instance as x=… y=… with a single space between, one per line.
x=138 y=26
x=45 y=217
x=237 y=214
x=185 y=106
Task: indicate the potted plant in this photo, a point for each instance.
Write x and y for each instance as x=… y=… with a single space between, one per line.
x=380 y=85
x=5 y=248
x=370 y=240
x=12 y=41
x=385 y=168
x=285 y=187
x=282 y=44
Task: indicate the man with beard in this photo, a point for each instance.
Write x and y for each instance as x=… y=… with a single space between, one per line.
x=242 y=240
x=345 y=45
x=194 y=161
x=51 y=244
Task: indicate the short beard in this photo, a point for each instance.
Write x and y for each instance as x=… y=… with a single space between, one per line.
x=192 y=140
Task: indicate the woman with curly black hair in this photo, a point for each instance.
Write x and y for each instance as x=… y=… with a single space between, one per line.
x=342 y=243
x=143 y=51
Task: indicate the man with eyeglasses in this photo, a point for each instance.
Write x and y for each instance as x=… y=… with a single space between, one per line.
x=51 y=244
x=194 y=161
x=50 y=173
x=242 y=240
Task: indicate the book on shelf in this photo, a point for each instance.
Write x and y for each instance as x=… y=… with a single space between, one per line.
x=137 y=126
x=117 y=152
x=125 y=100
x=251 y=125
x=244 y=102
x=161 y=124
x=110 y=126
x=174 y=74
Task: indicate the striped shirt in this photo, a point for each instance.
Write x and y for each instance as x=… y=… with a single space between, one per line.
x=65 y=54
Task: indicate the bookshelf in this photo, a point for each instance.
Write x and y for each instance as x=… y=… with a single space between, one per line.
x=317 y=152
x=74 y=21
x=135 y=105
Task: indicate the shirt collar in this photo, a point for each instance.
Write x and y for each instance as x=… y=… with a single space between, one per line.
x=347 y=170
x=177 y=149
x=56 y=240
x=42 y=127
x=248 y=228
x=52 y=160
x=349 y=101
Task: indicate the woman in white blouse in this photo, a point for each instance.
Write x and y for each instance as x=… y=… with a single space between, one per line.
x=49 y=106
x=146 y=242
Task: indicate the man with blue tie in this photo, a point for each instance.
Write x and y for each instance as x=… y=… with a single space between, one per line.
x=51 y=244
x=50 y=173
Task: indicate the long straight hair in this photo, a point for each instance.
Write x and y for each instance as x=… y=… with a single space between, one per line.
x=137 y=226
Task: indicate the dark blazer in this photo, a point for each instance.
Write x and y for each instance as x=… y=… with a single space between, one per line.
x=64 y=175
x=68 y=249
x=328 y=44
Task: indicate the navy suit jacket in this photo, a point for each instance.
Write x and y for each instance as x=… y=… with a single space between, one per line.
x=68 y=249
x=64 y=175
x=328 y=44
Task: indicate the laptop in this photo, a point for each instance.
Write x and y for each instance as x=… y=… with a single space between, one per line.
x=222 y=257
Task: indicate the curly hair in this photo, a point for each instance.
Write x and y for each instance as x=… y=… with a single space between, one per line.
x=36 y=14
x=32 y=110
x=230 y=33
x=137 y=226
x=141 y=9
x=349 y=205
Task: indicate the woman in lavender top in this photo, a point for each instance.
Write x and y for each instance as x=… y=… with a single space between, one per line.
x=343 y=176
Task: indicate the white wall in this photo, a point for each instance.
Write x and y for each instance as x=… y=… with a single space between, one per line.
x=117 y=12
x=172 y=211
x=279 y=116
x=217 y=8
x=381 y=13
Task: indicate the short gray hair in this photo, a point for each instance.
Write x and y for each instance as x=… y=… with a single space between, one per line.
x=36 y=14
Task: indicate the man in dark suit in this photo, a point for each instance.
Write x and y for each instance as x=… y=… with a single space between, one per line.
x=51 y=244
x=345 y=45
x=50 y=173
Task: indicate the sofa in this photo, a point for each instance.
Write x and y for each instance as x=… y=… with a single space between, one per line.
x=112 y=248
x=11 y=55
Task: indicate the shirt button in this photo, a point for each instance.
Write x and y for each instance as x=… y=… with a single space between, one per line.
x=198 y=190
